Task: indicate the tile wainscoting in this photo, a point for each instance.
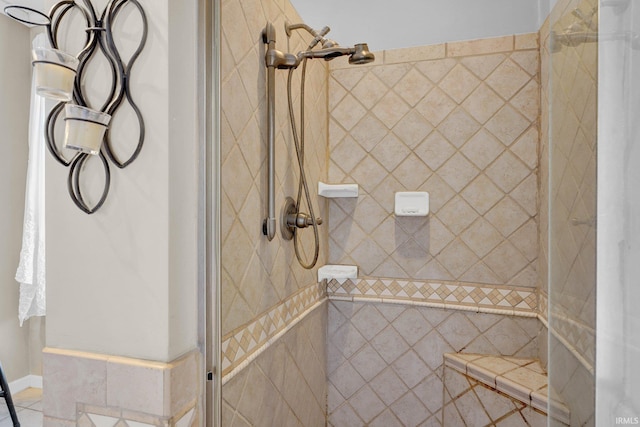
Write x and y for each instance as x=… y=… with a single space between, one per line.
x=80 y=387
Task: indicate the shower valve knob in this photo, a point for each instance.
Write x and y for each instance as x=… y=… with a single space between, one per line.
x=301 y=220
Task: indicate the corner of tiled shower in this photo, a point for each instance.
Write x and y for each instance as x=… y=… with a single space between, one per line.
x=464 y=121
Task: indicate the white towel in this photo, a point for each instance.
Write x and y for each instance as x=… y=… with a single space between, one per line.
x=31 y=270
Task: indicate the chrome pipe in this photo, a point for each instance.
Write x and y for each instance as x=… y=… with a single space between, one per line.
x=269 y=223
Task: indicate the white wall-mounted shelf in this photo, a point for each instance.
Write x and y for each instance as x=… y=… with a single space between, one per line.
x=338 y=272
x=337 y=190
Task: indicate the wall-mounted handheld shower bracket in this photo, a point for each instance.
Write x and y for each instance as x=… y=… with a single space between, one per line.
x=291 y=218
x=269 y=38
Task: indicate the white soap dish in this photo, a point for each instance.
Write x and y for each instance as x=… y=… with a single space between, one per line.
x=412 y=203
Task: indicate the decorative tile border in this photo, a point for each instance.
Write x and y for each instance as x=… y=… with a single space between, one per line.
x=578 y=338
x=543 y=306
x=245 y=343
x=96 y=416
x=451 y=295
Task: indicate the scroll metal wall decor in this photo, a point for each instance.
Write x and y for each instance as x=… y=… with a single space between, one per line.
x=82 y=122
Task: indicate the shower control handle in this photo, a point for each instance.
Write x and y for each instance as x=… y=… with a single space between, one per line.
x=301 y=220
x=290 y=219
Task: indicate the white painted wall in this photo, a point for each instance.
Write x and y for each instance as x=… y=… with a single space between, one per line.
x=123 y=281
x=618 y=265
x=404 y=23
x=15 y=87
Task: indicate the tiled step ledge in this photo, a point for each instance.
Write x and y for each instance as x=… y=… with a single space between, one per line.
x=521 y=379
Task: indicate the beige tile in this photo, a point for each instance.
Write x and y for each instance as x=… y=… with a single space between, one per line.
x=482 y=194
x=526 y=148
x=483 y=103
x=458 y=172
x=481 y=237
x=435 y=106
x=513 y=420
x=366 y=404
x=348 y=112
x=457 y=258
x=183 y=382
x=412 y=172
x=528 y=60
x=368 y=132
x=513 y=389
x=457 y=215
x=414 y=54
x=507 y=171
x=390 y=152
x=436 y=70
x=528 y=378
x=507 y=125
x=479 y=47
x=505 y=261
x=136 y=386
x=413 y=87
x=369 y=90
x=482 y=149
x=349 y=78
x=471 y=410
x=390 y=109
x=482 y=374
x=459 y=127
x=497 y=365
x=496 y=404
x=507 y=79
x=412 y=129
x=459 y=83
x=347 y=154
x=391 y=74
x=527 y=101
x=369 y=173
x=435 y=150
x=483 y=65
x=72 y=377
x=526 y=41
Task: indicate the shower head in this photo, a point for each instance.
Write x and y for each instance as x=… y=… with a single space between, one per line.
x=359 y=54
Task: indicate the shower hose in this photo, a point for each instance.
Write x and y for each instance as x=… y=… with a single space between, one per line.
x=302 y=183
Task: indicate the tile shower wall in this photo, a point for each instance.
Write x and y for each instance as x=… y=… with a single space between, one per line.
x=264 y=289
x=385 y=361
x=570 y=90
x=286 y=385
x=459 y=120
x=573 y=185
x=258 y=274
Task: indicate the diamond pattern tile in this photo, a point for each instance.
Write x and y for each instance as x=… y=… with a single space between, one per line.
x=459 y=83
x=390 y=109
x=572 y=139
x=299 y=361
x=507 y=79
x=396 y=378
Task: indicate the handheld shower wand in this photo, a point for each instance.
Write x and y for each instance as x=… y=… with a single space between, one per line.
x=292 y=219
